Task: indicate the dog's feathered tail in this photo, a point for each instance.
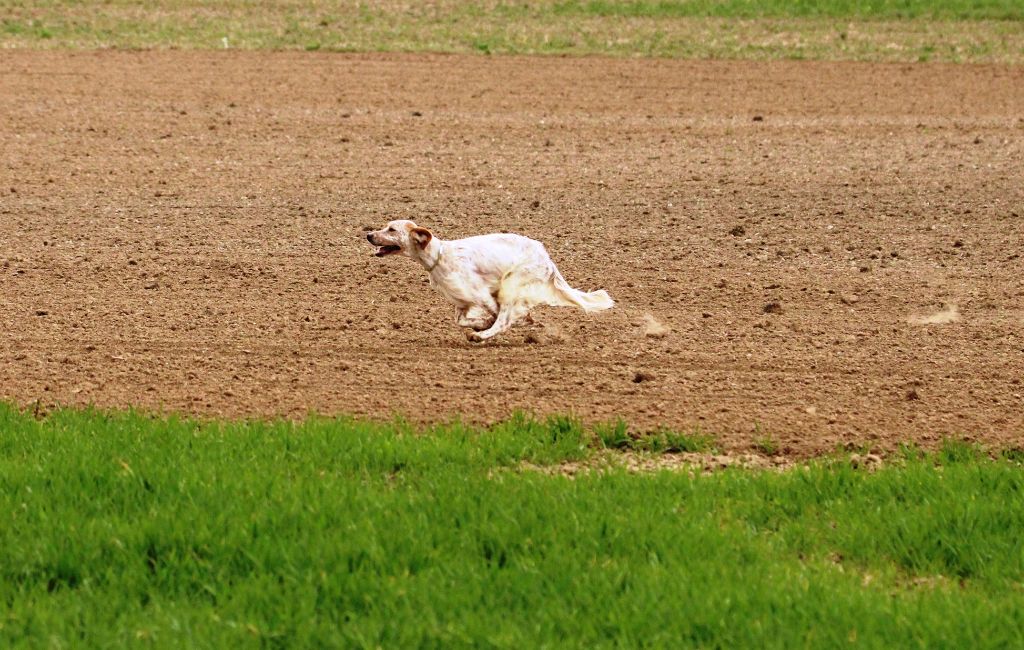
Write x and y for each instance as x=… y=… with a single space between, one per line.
x=585 y=300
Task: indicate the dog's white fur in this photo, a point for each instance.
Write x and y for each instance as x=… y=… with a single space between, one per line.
x=494 y=280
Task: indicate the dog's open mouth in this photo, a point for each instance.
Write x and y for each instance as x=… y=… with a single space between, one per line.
x=387 y=250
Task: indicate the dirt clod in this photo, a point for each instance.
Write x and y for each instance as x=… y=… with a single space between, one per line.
x=653 y=328
x=948 y=314
x=869 y=461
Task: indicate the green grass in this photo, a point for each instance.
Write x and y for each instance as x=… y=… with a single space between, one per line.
x=856 y=9
x=126 y=530
x=616 y=435
x=872 y=30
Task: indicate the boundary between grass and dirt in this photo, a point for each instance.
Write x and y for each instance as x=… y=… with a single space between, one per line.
x=599 y=446
x=991 y=31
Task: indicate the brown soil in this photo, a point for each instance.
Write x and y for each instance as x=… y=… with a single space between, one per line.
x=818 y=254
x=692 y=462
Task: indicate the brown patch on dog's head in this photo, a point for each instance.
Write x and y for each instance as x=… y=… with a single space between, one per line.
x=420 y=236
x=398 y=237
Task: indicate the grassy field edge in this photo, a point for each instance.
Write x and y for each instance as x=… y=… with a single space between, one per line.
x=921 y=30
x=123 y=528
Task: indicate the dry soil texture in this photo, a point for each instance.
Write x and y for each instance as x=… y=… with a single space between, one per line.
x=184 y=231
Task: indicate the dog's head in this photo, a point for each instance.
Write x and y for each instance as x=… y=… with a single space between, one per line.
x=401 y=236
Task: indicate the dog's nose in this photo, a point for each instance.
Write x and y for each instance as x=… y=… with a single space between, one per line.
x=369 y=237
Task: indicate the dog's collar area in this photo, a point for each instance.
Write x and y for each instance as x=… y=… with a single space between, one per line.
x=437 y=260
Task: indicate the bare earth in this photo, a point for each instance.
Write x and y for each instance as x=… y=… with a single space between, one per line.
x=184 y=231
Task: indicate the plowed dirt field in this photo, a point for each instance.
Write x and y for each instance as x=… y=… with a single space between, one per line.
x=812 y=254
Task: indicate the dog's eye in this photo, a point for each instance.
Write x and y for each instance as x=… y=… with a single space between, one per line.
x=391 y=230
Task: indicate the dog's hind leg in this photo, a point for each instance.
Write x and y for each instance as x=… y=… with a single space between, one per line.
x=508 y=315
x=476 y=317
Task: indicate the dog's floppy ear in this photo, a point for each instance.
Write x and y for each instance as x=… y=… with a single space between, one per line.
x=420 y=236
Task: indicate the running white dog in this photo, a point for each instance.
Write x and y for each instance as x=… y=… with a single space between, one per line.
x=494 y=280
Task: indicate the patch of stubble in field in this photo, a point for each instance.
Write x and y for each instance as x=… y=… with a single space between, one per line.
x=184 y=231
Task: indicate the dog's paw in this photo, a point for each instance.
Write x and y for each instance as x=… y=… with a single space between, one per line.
x=474 y=337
